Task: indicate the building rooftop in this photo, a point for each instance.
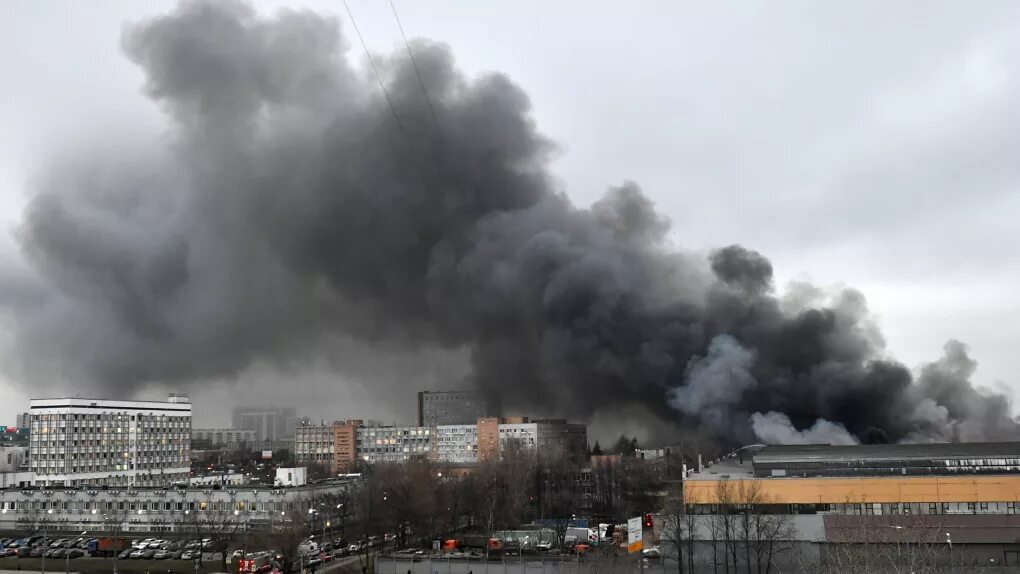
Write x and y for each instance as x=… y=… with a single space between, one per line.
x=778 y=461
x=725 y=468
x=824 y=452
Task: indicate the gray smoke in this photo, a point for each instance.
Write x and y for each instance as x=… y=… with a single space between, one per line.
x=713 y=384
x=291 y=210
x=776 y=428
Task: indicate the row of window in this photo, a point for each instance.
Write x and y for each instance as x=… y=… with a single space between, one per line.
x=150 y=506
x=106 y=416
x=171 y=453
x=871 y=509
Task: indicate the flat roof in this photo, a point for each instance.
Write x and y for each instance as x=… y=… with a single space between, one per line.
x=725 y=468
x=824 y=452
x=77 y=403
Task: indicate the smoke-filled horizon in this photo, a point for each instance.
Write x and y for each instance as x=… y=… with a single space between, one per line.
x=293 y=207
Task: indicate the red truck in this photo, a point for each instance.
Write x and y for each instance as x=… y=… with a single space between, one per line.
x=108 y=546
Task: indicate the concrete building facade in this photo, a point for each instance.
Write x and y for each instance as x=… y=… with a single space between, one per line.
x=393 y=444
x=345 y=445
x=313 y=444
x=456 y=444
x=78 y=442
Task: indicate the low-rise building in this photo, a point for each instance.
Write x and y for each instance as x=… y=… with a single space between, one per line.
x=296 y=476
x=218 y=479
x=152 y=510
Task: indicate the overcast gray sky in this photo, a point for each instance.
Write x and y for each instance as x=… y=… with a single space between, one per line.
x=869 y=144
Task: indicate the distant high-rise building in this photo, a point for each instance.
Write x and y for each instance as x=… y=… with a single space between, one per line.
x=269 y=423
x=223 y=437
x=449 y=408
x=24 y=420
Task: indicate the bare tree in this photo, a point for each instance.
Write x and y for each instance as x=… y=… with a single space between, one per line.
x=677 y=531
x=726 y=501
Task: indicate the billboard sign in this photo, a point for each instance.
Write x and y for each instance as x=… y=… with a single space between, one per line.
x=634 y=535
x=267 y=455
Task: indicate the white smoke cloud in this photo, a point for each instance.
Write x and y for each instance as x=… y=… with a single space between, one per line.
x=776 y=428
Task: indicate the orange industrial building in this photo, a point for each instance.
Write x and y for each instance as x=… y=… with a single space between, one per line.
x=968 y=494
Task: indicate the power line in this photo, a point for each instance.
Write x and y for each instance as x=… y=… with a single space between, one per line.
x=375 y=69
x=414 y=62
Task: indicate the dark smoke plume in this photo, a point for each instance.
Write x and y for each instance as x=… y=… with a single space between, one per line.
x=290 y=209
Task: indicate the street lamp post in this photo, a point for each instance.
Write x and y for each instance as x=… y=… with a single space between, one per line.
x=339 y=509
x=116 y=550
x=46 y=527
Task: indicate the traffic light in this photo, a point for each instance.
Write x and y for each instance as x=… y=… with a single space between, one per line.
x=648 y=521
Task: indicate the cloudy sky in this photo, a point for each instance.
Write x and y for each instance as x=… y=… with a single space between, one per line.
x=870 y=144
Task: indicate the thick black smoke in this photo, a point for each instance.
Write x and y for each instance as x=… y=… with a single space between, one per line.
x=291 y=208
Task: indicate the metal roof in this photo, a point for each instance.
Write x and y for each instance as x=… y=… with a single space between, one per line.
x=824 y=452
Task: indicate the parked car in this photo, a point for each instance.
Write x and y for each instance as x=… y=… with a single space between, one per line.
x=652 y=552
x=189 y=555
x=162 y=554
x=75 y=553
x=127 y=553
x=176 y=554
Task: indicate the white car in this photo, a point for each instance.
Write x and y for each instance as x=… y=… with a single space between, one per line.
x=652 y=552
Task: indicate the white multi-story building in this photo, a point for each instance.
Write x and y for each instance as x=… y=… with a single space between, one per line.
x=78 y=442
x=455 y=443
x=393 y=444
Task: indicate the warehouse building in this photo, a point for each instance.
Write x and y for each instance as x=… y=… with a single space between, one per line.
x=960 y=501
